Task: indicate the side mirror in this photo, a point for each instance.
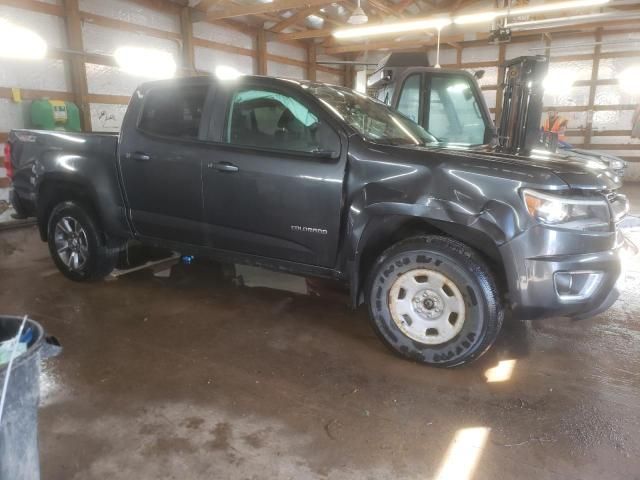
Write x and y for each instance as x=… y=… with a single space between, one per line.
x=478 y=74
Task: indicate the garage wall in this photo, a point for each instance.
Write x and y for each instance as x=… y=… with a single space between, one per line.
x=598 y=112
x=107 y=25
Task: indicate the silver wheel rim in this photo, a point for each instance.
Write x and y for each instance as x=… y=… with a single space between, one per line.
x=71 y=243
x=427 y=306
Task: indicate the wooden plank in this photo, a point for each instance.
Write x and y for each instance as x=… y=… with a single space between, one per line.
x=610 y=146
x=201 y=42
x=592 y=89
x=109 y=99
x=35 y=6
x=311 y=62
x=160 y=5
x=305 y=34
x=258 y=8
x=261 y=50
x=297 y=17
x=78 y=70
x=186 y=30
x=31 y=94
x=599 y=133
x=586 y=108
x=127 y=26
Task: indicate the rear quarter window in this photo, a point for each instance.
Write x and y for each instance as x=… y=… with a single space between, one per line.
x=173 y=111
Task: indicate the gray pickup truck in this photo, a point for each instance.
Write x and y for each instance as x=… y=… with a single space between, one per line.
x=438 y=241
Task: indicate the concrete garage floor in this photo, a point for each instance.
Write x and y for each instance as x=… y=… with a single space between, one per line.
x=192 y=378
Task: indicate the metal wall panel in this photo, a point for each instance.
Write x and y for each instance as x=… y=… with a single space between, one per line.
x=287 y=50
x=50 y=28
x=98 y=39
x=487 y=53
x=576 y=96
x=133 y=13
x=327 y=77
x=287 y=71
x=207 y=60
x=614 y=95
x=104 y=79
x=228 y=36
x=612 y=119
x=13 y=115
x=613 y=67
x=519 y=49
x=47 y=74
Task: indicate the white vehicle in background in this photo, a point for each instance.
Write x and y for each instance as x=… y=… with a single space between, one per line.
x=450 y=105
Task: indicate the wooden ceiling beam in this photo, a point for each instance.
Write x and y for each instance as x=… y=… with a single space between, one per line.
x=310 y=33
x=259 y=8
x=297 y=17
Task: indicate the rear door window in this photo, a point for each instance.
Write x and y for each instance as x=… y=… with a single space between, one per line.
x=174 y=111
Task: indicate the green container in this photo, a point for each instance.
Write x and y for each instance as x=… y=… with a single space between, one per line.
x=55 y=115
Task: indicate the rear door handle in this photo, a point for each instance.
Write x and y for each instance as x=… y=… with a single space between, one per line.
x=140 y=156
x=223 y=166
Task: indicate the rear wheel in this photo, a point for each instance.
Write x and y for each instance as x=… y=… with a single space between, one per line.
x=432 y=299
x=76 y=244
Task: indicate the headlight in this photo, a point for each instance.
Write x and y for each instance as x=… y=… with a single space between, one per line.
x=615 y=163
x=568 y=212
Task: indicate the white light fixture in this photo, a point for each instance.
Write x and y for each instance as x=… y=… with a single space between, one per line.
x=145 y=62
x=225 y=72
x=559 y=82
x=628 y=80
x=20 y=43
x=488 y=16
x=358 y=16
x=388 y=28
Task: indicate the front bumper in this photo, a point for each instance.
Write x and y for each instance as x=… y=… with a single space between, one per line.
x=550 y=275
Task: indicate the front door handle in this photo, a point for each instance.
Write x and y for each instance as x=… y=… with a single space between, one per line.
x=223 y=166
x=140 y=156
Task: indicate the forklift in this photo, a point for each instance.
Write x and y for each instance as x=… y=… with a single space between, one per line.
x=450 y=105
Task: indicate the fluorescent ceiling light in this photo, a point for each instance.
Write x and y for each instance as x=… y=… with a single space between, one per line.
x=628 y=80
x=20 y=43
x=145 y=62
x=483 y=17
x=387 y=28
x=225 y=72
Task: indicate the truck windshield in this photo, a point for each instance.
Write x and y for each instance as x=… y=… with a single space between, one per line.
x=375 y=121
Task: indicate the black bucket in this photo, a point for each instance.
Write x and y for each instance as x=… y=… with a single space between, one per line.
x=19 y=458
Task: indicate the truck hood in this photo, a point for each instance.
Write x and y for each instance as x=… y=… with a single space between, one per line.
x=577 y=171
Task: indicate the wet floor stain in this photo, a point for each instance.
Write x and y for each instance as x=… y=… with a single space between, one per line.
x=191 y=377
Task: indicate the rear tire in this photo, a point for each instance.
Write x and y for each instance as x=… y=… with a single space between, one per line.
x=432 y=299
x=77 y=245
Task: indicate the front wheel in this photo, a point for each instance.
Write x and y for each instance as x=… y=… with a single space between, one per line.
x=433 y=299
x=77 y=246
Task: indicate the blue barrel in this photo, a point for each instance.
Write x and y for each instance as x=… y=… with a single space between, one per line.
x=19 y=457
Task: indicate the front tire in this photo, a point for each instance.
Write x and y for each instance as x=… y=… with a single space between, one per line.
x=77 y=245
x=432 y=299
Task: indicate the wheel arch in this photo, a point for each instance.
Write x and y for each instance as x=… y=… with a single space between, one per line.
x=57 y=188
x=381 y=232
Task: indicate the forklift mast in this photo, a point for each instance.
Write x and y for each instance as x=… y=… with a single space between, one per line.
x=519 y=129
